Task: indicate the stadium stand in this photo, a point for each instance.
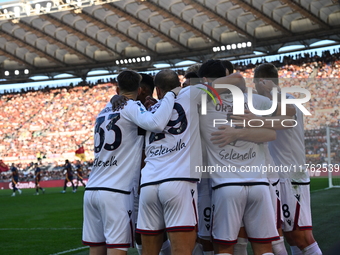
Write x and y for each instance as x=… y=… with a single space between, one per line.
x=54 y=121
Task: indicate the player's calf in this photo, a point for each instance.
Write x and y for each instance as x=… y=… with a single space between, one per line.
x=223 y=249
x=304 y=240
x=262 y=248
x=299 y=238
x=152 y=244
x=182 y=242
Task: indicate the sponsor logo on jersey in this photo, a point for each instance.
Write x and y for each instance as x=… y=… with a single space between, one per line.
x=162 y=150
x=100 y=163
x=233 y=155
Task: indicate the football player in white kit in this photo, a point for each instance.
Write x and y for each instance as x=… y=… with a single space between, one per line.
x=237 y=195
x=226 y=135
x=108 y=202
x=289 y=150
x=223 y=136
x=168 y=198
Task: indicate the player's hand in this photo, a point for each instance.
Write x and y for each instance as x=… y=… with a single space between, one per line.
x=118 y=102
x=176 y=90
x=149 y=101
x=224 y=136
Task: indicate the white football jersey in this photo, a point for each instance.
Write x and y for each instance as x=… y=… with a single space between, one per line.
x=288 y=150
x=173 y=154
x=238 y=162
x=272 y=171
x=118 y=143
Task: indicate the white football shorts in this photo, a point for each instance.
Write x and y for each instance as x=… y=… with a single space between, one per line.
x=108 y=219
x=275 y=193
x=296 y=208
x=250 y=204
x=204 y=209
x=170 y=206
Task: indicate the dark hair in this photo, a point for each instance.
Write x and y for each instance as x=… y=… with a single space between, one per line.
x=128 y=81
x=147 y=80
x=266 y=71
x=212 y=69
x=228 y=65
x=167 y=80
x=191 y=75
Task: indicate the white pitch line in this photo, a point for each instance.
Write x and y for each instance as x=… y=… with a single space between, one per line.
x=76 y=249
x=39 y=229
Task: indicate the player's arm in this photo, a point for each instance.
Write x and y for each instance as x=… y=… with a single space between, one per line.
x=274 y=122
x=156 y=121
x=150 y=101
x=226 y=135
x=235 y=79
x=118 y=102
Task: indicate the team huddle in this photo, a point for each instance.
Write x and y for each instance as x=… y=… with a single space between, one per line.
x=149 y=151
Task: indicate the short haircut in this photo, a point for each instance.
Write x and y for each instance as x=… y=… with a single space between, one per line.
x=266 y=71
x=147 y=80
x=128 y=81
x=212 y=69
x=193 y=68
x=228 y=65
x=191 y=75
x=167 y=80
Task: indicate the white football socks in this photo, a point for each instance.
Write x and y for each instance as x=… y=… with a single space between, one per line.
x=240 y=248
x=279 y=247
x=312 y=249
x=139 y=248
x=295 y=250
x=198 y=249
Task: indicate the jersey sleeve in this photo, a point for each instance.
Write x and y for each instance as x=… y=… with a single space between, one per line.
x=156 y=121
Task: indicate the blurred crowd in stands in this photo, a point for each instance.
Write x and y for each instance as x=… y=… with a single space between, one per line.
x=54 y=122
x=316 y=146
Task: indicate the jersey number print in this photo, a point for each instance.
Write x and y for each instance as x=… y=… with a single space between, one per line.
x=111 y=126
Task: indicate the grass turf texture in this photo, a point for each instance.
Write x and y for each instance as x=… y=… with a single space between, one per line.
x=51 y=223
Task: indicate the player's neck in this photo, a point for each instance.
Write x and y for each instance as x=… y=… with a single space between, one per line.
x=129 y=95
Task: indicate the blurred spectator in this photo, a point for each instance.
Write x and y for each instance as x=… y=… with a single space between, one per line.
x=51 y=122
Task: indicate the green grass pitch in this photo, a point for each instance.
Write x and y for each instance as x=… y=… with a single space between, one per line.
x=50 y=224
